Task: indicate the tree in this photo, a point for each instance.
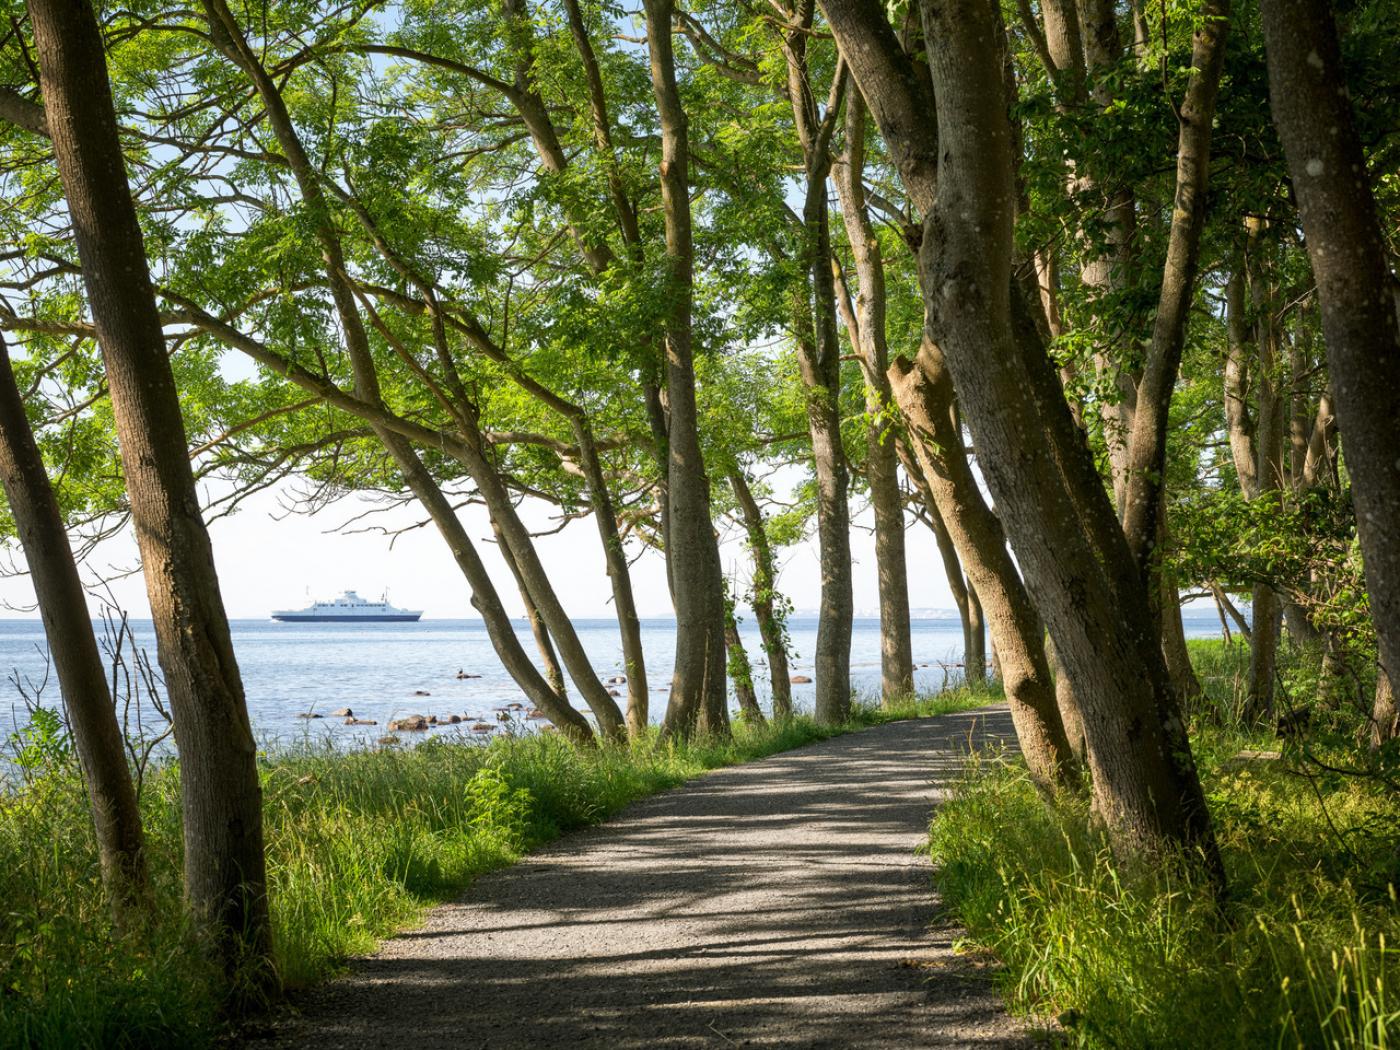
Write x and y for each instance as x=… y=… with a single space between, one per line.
x=81 y=674
x=865 y=322
x=959 y=172
x=225 y=875
x=697 y=685
x=1355 y=286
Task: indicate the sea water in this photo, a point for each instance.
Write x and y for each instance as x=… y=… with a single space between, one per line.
x=390 y=670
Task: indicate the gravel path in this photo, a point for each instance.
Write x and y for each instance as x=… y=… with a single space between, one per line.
x=774 y=904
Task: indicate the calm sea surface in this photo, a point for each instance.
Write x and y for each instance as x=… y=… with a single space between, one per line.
x=377 y=669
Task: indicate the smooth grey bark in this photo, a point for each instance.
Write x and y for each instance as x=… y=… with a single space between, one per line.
x=82 y=676
x=1048 y=494
x=221 y=810
x=697 y=684
x=867 y=332
x=1355 y=285
x=765 y=595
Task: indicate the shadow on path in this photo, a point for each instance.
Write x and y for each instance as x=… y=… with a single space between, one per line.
x=778 y=903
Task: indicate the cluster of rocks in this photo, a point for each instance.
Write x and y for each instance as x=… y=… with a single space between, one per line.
x=421 y=723
x=418 y=723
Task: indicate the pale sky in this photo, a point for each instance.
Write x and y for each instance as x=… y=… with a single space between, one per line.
x=270 y=561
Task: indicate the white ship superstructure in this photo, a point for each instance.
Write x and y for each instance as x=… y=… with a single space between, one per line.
x=349 y=608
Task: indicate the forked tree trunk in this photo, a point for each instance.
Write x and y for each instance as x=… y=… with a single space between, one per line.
x=545 y=695
x=1312 y=111
x=82 y=677
x=697 y=685
x=225 y=873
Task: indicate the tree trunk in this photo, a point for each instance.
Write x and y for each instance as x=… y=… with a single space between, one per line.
x=1385 y=716
x=882 y=461
x=964 y=596
x=229 y=37
x=1144 y=483
x=975 y=641
x=1263 y=654
x=1174 y=647
x=770 y=627
x=924 y=393
x=553 y=673
x=1069 y=706
x=225 y=874
x=697 y=685
x=1268 y=472
x=741 y=671
x=1066 y=536
x=485 y=599
x=619 y=575
x=819 y=364
x=1312 y=111
x=82 y=676
x=501 y=507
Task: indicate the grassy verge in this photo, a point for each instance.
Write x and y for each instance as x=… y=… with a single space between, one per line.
x=359 y=845
x=1302 y=954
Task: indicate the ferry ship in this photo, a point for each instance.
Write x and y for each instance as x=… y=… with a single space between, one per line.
x=349 y=608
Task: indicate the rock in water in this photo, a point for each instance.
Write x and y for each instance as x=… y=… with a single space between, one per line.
x=411 y=724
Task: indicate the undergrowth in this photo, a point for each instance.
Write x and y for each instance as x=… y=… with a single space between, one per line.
x=1301 y=953
x=359 y=845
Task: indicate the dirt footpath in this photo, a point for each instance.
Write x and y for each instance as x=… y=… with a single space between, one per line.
x=776 y=904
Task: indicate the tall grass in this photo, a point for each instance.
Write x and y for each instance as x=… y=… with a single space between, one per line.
x=1302 y=954
x=358 y=845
